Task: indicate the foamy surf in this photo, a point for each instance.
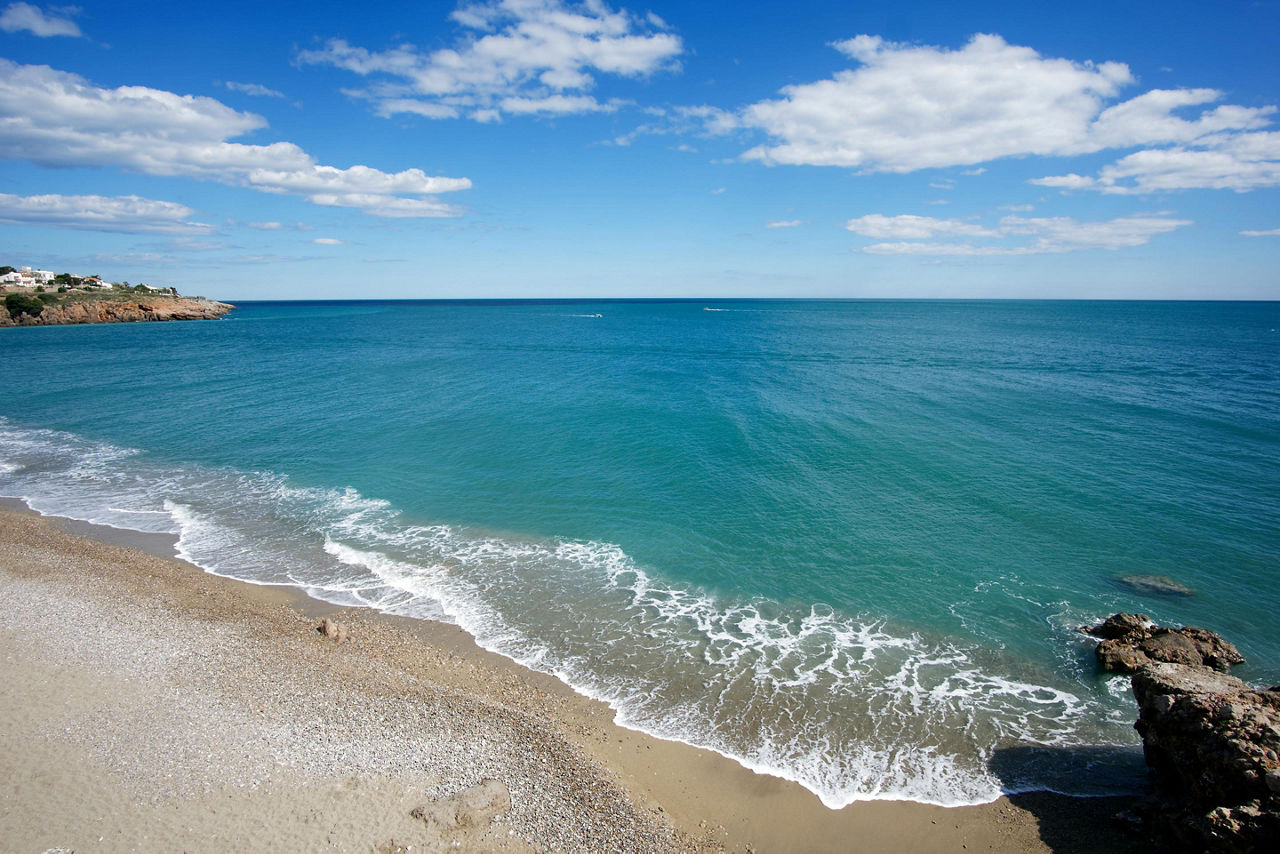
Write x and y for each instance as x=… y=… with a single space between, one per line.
x=844 y=705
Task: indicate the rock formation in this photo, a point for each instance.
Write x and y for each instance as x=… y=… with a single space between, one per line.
x=1131 y=641
x=114 y=310
x=1212 y=742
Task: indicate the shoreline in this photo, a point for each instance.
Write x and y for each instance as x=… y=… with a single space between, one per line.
x=79 y=308
x=692 y=799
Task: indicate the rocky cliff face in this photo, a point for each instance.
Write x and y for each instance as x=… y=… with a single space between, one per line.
x=1212 y=742
x=120 y=311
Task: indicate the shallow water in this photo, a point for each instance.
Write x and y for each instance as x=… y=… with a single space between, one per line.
x=844 y=542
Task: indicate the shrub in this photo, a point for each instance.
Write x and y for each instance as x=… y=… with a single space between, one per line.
x=23 y=304
x=47 y=299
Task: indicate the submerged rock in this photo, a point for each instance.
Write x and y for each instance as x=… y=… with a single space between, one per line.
x=1162 y=584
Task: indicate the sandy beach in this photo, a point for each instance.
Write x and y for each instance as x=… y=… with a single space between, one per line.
x=150 y=706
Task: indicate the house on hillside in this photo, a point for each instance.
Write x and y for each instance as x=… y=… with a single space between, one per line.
x=36 y=277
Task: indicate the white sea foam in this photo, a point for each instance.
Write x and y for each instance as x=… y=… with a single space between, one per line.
x=847 y=707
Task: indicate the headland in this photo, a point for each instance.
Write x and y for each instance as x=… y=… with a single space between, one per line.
x=42 y=298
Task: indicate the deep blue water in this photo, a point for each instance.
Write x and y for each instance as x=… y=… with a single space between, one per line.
x=844 y=542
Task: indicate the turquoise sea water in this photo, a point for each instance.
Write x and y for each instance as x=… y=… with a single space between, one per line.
x=847 y=543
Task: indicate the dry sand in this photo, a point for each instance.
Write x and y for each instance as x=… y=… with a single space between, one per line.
x=149 y=706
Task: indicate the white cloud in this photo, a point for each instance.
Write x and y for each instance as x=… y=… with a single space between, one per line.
x=519 y=57
x=1217 y=161
x=910 y=227
x=255 y=89
x=940 y=249
x=915 y=107
x=24 y=16
x=198 y=245
x=386 y=206
x=161 y=133
x=126 y=214
x=328 y=241
x=910 y=107
x=784 y=223
x=1064 y=234
x=555 y=105
x=1032 y=236
x=1149 y=118
x=1065 y=182
x=267 y=226
x=1271 y=232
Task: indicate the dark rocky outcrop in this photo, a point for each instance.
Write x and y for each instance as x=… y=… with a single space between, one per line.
x=1130 y=641
x=1211 y=741
x=1212 y=744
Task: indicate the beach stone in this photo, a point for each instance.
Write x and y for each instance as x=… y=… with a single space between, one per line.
x=333 y=630
x=471 y=808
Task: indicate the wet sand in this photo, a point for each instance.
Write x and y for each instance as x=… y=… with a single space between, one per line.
x=151 y=706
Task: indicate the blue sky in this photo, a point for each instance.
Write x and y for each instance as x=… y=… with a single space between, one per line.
x=540 y=148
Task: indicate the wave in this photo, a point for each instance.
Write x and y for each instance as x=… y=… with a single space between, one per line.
x=842 y=704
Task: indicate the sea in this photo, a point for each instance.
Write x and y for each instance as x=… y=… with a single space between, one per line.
x=846 y=543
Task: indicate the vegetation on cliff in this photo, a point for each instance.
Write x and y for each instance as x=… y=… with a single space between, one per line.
x=68 y=299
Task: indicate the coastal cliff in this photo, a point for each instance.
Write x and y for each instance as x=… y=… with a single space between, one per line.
x=130 y=309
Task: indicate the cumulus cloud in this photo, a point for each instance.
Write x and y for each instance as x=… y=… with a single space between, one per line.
x=161 y=133
x=255 y=89
x=328 y=241
x=1240 y=162
x=24 y=16
x=1030 y=235
x=515 y=57
x=911 y=107
x=126 y=214
x=914 y=107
